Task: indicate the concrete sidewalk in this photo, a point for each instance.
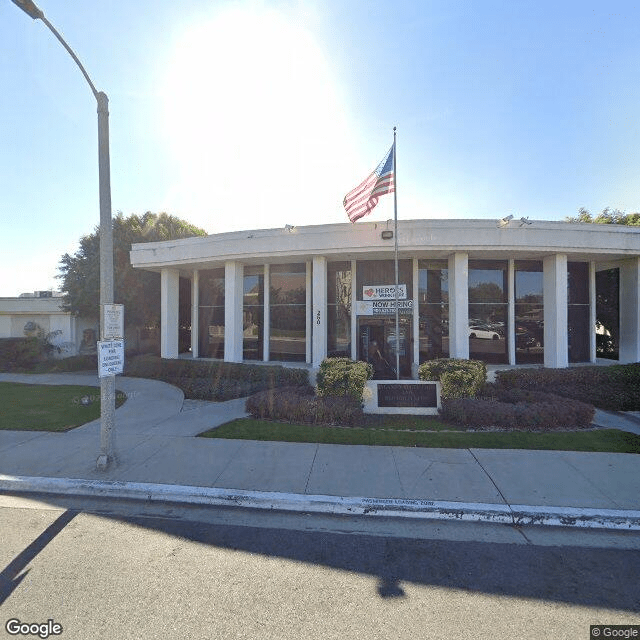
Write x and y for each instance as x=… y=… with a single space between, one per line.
x=160 y=459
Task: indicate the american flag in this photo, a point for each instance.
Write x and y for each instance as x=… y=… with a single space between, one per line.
x=361 y=200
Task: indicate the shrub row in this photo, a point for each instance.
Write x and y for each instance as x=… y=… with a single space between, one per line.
x=458 y=378
x=20 y=354
x=214 y=380
x=615 y=387
x=301 y=405
x=520 y=410
x=343 y=377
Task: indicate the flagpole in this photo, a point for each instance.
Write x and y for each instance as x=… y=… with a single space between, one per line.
x=395 y=235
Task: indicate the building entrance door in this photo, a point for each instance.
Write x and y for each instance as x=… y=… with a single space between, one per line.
x=376 y=345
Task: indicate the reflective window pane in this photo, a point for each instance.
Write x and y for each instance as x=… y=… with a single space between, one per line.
x=287 y=312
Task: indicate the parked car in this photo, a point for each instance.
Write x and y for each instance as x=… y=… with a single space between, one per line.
x=483 y=333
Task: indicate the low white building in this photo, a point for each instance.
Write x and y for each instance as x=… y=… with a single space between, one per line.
x=41 y=313
x=506 y=293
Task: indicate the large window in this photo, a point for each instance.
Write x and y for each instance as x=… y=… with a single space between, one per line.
x=253 y=313
x=211 y=313
x=578 y=327
x=339 y=309
x=529 y=312
x=488 y=310
x=608 y=313
x=433 y=307
x=382 y=272
x=287 y=312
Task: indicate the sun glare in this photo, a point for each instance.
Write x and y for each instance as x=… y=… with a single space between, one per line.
x=254 y=124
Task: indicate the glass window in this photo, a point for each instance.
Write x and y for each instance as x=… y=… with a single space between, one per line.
x=253 y=313
x=608 y=313
x=211 y=313
x=529 y=312
x=578 y=311
x=288 y=312
x=433 y=307
x=339 y=309
x=488 y=310
x=382 y=272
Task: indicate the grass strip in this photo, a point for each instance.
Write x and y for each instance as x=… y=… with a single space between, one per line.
x=603 y=440
x=39 y=407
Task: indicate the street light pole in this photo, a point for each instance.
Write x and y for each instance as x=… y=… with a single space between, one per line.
x=107 y=455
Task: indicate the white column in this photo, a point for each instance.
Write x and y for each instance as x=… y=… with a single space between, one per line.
x=319 y=310
x=416 y=320
x=266 y=334
x=309 y=312
x=354 y=317
x=592 y=312
x=195 y=312
x=556 y=340
x=630 y=311
x=510 y=325
x=459 y=305
x=169 y=294
x=233 y=295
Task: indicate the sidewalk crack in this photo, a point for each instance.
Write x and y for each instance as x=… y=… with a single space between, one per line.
x=315 y=454
x=494 y=484
x=395 y=464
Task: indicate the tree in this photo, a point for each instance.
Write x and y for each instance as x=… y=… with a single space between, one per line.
x=608 y=216
x=138 y=290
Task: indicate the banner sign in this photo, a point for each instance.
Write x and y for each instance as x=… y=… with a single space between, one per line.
x=383 y=307
x=384 y=292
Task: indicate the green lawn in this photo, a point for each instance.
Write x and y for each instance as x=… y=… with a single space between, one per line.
x=39 y=407
x=388 y=433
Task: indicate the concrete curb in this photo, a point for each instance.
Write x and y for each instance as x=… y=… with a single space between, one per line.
x=518 y=515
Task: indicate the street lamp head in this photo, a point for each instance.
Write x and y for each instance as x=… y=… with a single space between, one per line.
x=29 y=8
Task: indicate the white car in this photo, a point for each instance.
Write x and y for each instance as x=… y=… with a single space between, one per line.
x=483 y=333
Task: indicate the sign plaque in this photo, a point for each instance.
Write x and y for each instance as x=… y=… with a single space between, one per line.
x=112 y=326
x=110 y=358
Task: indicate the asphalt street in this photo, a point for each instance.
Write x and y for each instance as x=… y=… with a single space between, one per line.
x=112 y=569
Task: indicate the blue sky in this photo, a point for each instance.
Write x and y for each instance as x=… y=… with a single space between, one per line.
x=254 y=114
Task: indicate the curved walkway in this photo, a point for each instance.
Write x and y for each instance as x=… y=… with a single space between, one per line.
x=158 y=458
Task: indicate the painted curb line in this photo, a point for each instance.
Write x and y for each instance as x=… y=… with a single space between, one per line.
x=519 y=515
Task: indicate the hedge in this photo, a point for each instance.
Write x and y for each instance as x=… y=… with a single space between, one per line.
x=343 y=377
x=519 y=409
x=458 y=378
x=20 y=354
x=616 y=387
x=301 y=405
x=214 y=380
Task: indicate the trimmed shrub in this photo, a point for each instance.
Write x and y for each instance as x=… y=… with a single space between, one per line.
x=301 y=405
x=458 y=378
x=616 y=387
x=214 y=380
x=20 y=354
x=520 y=410
x=343 y=377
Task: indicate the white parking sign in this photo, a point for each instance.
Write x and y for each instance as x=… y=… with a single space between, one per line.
x=110 y=358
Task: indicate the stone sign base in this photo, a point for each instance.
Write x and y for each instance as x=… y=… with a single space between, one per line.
x=411 y=397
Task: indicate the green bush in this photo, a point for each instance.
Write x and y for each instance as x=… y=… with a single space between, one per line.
x=519 y=410
x=343 y=377
x=20 y=354
x=214 y=380
x=458 y=378
x=300 y=405
x=616 y=387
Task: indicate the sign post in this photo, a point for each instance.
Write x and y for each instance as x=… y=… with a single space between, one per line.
x=110 y=362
